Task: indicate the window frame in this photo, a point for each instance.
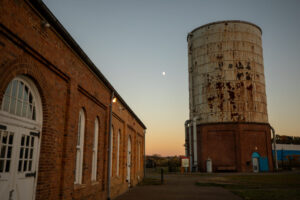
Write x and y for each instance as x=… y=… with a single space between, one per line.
x=95 y=150
x=79 y=147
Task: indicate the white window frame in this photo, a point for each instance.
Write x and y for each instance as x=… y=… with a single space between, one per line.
x=118 y=152
x=95 y=150
x=79 y=148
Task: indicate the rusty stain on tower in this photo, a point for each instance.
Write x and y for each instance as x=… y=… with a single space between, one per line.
x=226 y=86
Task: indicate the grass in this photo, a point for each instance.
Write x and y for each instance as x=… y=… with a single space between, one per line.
x=259 y=186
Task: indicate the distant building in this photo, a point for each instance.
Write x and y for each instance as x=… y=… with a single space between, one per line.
x=55 y=110
x=288 y=155
x=228 y=125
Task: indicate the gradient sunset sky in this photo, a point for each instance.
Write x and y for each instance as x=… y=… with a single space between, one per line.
x=133 y=42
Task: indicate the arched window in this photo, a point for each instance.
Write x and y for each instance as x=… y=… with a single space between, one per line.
x=111 y=148
x=79 y=148
x=118 y=152
x=18 y=99
x=95 y=150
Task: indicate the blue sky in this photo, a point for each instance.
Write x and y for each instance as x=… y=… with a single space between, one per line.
x=133 y=41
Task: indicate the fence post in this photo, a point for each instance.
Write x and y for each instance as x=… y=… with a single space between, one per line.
x=162 y=175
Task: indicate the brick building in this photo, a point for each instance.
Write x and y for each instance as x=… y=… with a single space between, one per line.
x=228 y=129
x=55 y=114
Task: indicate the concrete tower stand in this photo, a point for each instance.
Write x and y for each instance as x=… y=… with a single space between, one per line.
x=228 y=108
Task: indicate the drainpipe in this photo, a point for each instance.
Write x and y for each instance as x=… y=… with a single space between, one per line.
x=274 y=146
x=190 y=145
x=186 y=124
x=195 y=143
x=109 y=148
x=144 y=153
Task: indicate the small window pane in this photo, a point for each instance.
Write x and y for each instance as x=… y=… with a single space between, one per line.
x=7 y=91
x=19 y=108
x=25 y=96
x=12 y=106
x=3 y=151
x=32 y=141
x=26 y=153
x=7 y=166
x=29 y=113
x=4 y=138
x=14 y=89
x=20 y=93
x=30 y=164
x=9 y=149
x=21 y=152
x=25 y=165
x=30 y=98
x=6 y=103
x=33 y=114
x=20 y=165
x=22 y=140
x=24 y=112
x=31 y=153
x=11 y=138
x=1 y=165
x=27 y=140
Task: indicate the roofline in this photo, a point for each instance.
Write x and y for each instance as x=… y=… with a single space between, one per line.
x=53 y=21
x=225 y=21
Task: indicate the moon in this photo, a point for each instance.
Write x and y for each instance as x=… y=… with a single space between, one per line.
x=163 y=73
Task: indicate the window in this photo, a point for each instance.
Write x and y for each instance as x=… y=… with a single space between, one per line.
x=95 y=150
x=118 y=152
x=18 y=99
x=79 y=148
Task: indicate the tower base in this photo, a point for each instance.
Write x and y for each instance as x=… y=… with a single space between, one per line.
x=240 y=147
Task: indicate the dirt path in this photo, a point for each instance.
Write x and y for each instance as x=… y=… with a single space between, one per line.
x=178 y=187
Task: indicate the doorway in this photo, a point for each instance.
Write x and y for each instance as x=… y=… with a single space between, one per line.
x=20 y=126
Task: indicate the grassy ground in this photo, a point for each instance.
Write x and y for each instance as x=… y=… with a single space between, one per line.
x=258 y=186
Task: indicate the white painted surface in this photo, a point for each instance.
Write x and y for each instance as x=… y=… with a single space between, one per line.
x=255 y=165
x=291 y=147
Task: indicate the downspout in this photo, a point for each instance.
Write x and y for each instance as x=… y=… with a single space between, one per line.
x=195 y=143
x=186 y=125
x=144 y=153
x=274 y=145
x=190 y=145
x=109 y=148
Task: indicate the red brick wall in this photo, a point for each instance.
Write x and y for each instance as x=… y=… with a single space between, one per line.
x=66 y=84
x=231 y=145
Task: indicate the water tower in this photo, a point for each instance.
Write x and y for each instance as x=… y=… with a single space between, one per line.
x=227 y=98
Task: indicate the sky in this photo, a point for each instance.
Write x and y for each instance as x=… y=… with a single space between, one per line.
x=133 y=41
